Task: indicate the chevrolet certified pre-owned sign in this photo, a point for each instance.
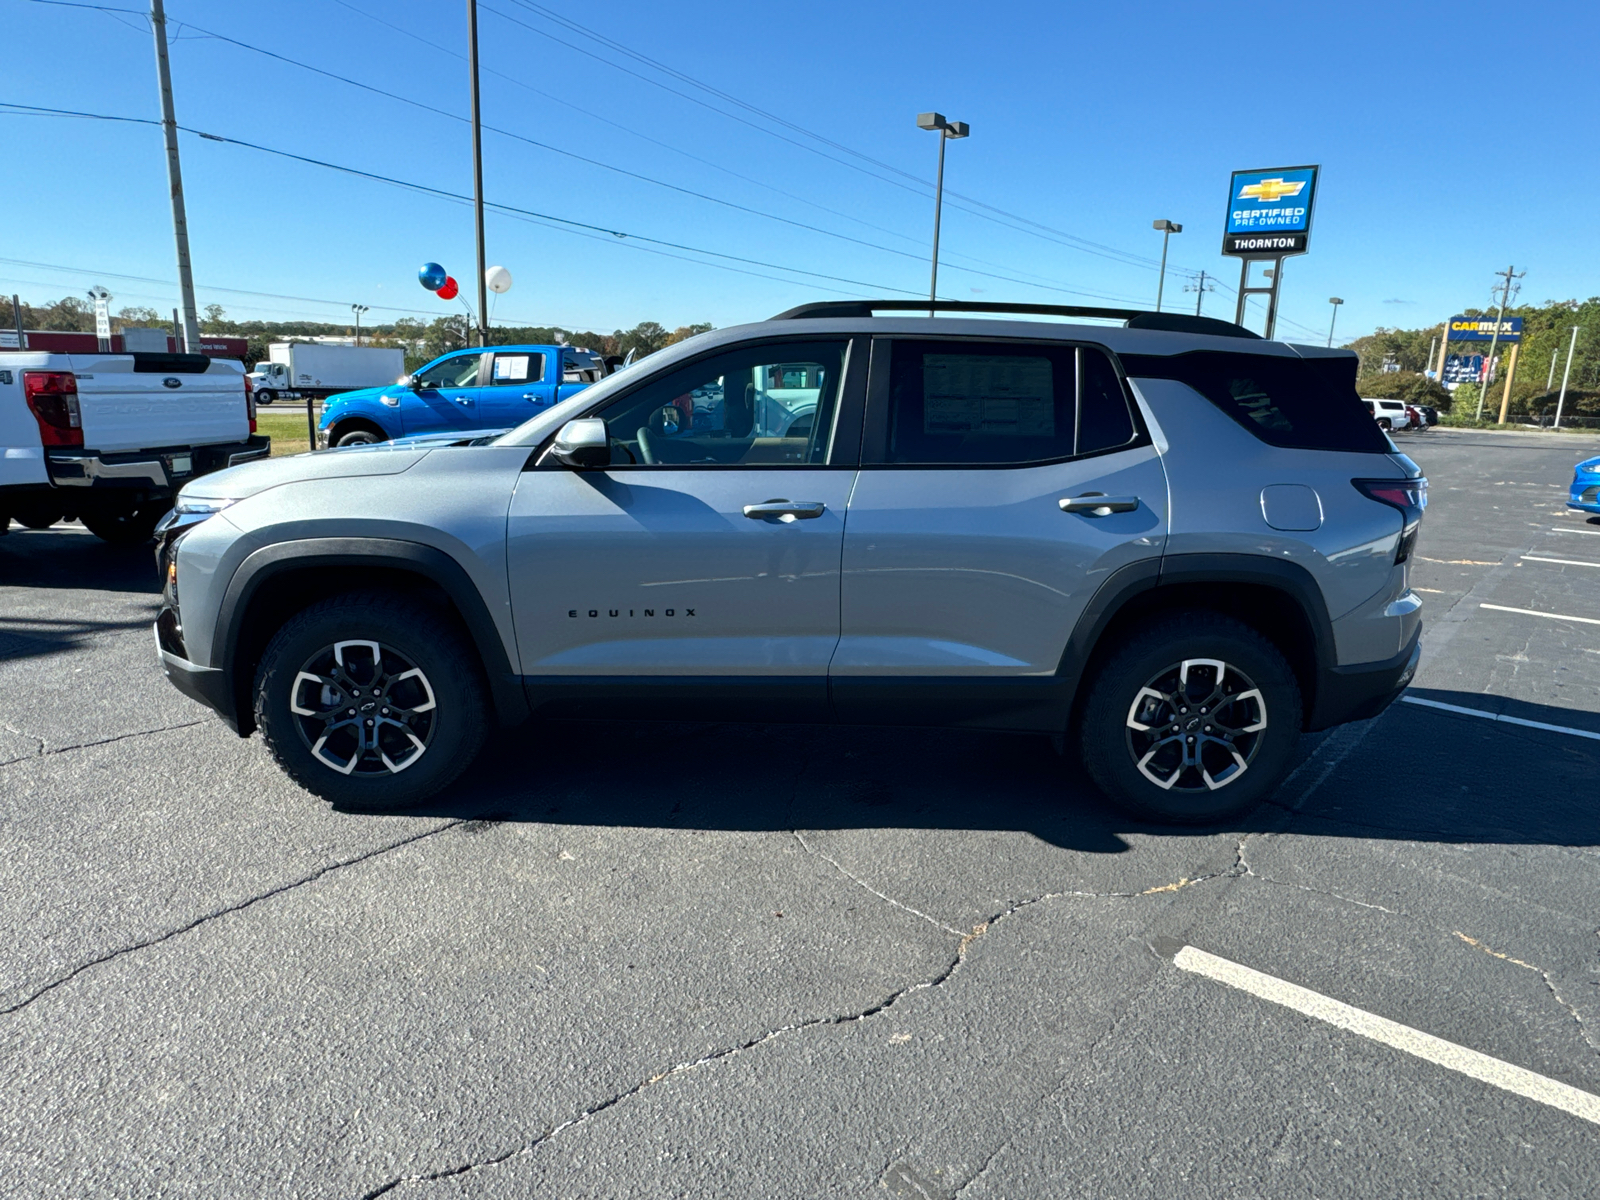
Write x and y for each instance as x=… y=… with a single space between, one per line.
x=1482 y=329
x=1269 y=212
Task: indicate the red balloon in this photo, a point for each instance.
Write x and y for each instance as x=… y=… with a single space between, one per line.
x=449 y=289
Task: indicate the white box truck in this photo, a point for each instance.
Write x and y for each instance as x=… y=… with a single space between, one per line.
x=306 y=370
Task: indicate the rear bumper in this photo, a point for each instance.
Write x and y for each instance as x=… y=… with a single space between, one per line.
x=1364 y=690
x=151 y=470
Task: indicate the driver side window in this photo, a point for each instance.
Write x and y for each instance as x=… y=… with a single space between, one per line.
x=767 y=405
x=460 y=371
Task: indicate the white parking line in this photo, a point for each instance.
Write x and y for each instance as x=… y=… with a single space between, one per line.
x=1501 y=717
x=1471 y=1063
x=1590 y=532
x=1565 y=562
x=1529 y=612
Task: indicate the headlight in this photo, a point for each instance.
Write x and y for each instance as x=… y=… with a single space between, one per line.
x=198 y=506
x=1590 y=468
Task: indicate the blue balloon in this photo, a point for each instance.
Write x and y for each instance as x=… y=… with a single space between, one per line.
x=432 y=276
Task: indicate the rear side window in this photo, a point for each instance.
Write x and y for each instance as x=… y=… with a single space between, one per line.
x=1301 y=404
x=1001 y=403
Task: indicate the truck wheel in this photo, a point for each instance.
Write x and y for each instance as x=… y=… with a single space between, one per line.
x=38 y=518
x=127 y=526
x=371 y=701
x=1192 y=721
x=266 y=397
x=359 y=437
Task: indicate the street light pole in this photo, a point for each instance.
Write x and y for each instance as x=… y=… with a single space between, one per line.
x=946 y=131
x=1167 y=229
x=180 y=221
x=1566 y=375
x=358 y=309
x=477 y=169
x=1335 y=301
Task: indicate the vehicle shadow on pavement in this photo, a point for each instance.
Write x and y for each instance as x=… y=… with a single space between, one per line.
x=66 y=556
x=1417 y=774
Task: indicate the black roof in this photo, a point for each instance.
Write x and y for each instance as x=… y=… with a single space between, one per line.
x=1132 y=318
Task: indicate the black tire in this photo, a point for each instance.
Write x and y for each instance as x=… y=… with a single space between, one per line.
x=1123 y=723
x=450 y=727
x=128 y=526
x=359 y=437
x=266 y=396
x=38 y=519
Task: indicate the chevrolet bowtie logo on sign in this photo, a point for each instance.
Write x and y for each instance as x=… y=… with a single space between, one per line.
x=1269 y=212
x=1271 y=190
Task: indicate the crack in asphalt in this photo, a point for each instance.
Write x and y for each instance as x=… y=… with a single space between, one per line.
x=45 y=751
x=223 y=912
x=1583 y=1028
x=834 y=863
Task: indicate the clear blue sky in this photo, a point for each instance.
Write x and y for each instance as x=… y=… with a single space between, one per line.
x=1092 y=120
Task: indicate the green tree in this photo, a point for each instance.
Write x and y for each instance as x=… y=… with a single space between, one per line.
x=136 y=315
x=683 y=332
x=214 y=320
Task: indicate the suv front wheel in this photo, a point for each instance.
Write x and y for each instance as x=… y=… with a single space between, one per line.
x=1194 y=720
x=371 y=700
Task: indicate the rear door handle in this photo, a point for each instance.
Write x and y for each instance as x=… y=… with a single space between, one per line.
x=1096 y=504
x=785 y=510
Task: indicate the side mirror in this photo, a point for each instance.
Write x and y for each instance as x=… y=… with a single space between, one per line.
x=407 y=381
x=583 y=443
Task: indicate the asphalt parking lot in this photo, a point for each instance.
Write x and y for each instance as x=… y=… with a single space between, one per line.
x=737 y=960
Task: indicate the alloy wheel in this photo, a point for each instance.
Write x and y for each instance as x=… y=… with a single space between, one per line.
x=363 y=708
x=1196 y=726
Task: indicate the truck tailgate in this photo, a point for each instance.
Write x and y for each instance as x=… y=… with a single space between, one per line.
x=124 y=409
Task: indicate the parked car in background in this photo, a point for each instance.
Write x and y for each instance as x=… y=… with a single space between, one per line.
x=1390 y=414
x=1416 y=418
x=1429 y=413
x=307 y=370
x=466 y=391
x=109 y=439
x=1584 y=494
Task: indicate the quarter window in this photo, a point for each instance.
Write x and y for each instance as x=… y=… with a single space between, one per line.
x=518 y=368
x=767 y=405
x=1001 y=403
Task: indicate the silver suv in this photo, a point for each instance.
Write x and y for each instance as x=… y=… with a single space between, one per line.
x=1173 y=542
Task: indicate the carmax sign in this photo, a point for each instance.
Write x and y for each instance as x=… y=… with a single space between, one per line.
x=1482 y=329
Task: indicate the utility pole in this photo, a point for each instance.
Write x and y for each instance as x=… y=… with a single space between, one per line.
x=1566 y=375
x=1200 y=287
x=1511 y=376
x=1494 y=342
x=477 y=172
x=1167 y=229
x=180 y=222
x=358 y=309
x=1550 y=379
x=1335 y=302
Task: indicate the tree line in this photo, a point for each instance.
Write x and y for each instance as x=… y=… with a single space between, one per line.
x=1546 y=334
x=422 y=341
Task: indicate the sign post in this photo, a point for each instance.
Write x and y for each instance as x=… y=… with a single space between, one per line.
x=1269 y=218
x=102 y=317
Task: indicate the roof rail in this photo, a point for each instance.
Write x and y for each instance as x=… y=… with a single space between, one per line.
x=1133 y=318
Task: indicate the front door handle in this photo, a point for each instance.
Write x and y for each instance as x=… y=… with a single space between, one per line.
x=1096 y=504
x=785 y=510
x=463 y=401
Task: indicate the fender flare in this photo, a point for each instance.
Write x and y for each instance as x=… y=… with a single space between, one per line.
x=505 y=687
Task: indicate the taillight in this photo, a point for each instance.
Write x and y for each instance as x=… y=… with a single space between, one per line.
x=250 y=402
x=53 y=397
x=1410 y=496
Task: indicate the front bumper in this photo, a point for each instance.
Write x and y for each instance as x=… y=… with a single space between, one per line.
x=1584 y=496
x=1364 y=690
x=151 y=470
x=205 y=684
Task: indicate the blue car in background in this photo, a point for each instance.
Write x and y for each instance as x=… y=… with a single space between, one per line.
x=1585 y=494
x=468 y=391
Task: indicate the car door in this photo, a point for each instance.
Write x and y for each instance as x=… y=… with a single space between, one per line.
x=707 y=553
x=973 y=543
x=444 y=395
x=516 y=389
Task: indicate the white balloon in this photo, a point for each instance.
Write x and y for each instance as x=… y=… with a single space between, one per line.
x=498 y=279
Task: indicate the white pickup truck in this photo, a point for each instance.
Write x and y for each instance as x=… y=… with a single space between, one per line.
x=109 y=439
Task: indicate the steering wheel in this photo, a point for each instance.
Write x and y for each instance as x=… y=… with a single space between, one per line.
x=646 y=450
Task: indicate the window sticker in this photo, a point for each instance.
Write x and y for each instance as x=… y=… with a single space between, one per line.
x=510 y=368
x=1005 y=395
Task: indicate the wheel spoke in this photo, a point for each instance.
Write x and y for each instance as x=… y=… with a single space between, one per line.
x=1185 y=741
x=363 y=708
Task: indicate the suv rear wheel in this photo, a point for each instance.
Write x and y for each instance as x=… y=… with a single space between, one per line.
x=1194 y=720
x=371 y=700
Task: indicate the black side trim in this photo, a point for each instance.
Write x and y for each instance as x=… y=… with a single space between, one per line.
x=511 y=705
x=1028 y=703
x=1364 y=690
x=779 y=699
x=1119 y=587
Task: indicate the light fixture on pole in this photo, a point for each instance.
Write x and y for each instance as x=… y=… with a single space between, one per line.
x=1166 y=229
x=1335 y=301
x=946 y=130
x=358 y=309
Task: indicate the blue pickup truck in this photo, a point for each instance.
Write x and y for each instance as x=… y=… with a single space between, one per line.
x=498 y=387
